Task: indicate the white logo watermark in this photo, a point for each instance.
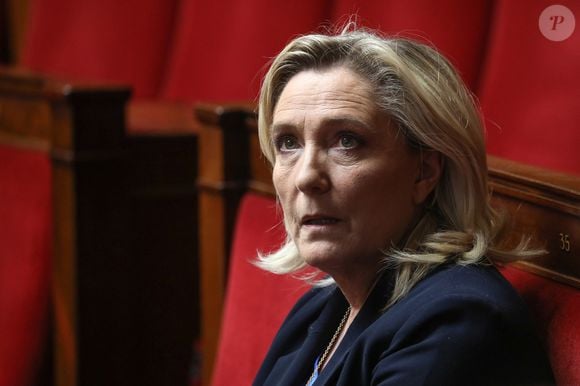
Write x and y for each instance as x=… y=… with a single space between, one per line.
x=557 y=23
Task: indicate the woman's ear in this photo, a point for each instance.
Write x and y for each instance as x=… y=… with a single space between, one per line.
x=431 y=167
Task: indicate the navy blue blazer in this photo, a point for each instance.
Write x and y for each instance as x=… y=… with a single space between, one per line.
x=458 y=326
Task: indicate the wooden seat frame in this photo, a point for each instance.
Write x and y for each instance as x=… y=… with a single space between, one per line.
x=124 y=221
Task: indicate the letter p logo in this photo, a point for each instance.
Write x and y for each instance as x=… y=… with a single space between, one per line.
x=557 y=23
x=556 y=20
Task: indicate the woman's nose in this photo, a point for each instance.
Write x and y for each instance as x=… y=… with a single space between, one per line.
x=312 y=175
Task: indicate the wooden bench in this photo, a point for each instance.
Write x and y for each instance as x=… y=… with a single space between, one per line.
x=541 y=203
x=120 y=218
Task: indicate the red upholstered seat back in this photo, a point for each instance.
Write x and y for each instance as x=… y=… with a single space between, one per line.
x=256 y=301
x=25 y=240
x=556 y=310
x=220 y=47
x=457 y=28
x=108 y=40
x=530 y=91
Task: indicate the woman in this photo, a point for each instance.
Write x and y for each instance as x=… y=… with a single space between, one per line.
x=379 y=165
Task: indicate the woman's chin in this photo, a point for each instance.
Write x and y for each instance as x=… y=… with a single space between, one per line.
x=325 y=262
x=316 y=260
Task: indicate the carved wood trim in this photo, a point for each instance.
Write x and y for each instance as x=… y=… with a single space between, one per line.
x=545 y=205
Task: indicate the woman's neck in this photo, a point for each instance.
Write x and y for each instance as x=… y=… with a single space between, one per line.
x=356 y=288
x=356 y=291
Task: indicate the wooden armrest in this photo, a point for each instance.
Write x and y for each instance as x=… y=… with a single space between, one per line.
x=148 y=117
x=546 y=205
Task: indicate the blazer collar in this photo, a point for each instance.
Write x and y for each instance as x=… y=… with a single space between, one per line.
x=319 y=334
x=369 y=313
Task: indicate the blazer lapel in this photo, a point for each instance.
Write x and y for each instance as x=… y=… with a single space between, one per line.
x=370 y=312
x=300 y=364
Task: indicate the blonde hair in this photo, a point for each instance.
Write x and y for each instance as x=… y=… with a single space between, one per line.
x=429 y=104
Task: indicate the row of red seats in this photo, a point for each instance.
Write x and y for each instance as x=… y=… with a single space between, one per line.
x=198 y=50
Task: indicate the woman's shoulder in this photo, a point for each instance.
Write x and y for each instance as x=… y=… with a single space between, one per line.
x=459 y=320
x=462 y=309
x=477 y=283
x=471 y=294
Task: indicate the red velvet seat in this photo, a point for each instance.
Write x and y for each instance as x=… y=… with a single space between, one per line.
x=530 y=88
x=25 y=240
x=556 y=310
x=256 y=301
x=107 y=40
x=457 y=28
x=220 y=47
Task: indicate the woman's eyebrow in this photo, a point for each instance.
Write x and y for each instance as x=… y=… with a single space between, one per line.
x=282 y=127
x=346 y=121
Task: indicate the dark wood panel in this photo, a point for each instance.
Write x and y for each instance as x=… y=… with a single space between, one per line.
x=162 y=208
x=125 y=284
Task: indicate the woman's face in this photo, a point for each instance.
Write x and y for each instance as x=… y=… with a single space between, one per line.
x=344 y=176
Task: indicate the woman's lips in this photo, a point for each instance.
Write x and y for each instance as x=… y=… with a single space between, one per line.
x=321 y=221
x=318 y=220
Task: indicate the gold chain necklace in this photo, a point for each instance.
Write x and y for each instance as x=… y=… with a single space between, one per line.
x=330 y=345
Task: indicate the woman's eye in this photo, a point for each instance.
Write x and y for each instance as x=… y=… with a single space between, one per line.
x=348 y=141
x=287 y=142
